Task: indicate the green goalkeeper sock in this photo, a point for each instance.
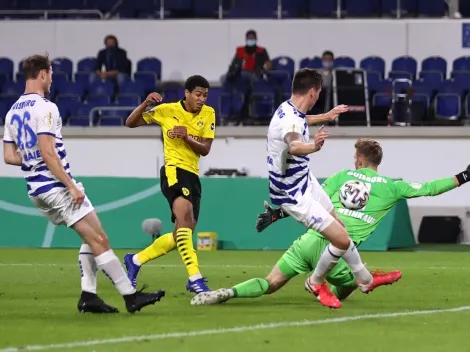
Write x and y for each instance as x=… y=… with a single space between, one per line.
x=342 y=292
x=251 y=288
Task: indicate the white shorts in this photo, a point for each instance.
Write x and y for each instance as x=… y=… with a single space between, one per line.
x=57 y=206
x=313 y=208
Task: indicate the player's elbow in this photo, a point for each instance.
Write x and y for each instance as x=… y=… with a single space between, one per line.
x=294 y=149
x=129 y=123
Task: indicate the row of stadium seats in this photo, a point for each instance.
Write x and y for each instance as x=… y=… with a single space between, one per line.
x=229 y=102
x=87 y=64
x=235 y=9
x=400 y=65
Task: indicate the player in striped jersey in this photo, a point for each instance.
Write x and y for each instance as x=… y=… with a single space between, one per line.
x=33 y=140
x=293 y=187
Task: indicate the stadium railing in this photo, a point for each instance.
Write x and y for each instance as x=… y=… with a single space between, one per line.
x=46 y=13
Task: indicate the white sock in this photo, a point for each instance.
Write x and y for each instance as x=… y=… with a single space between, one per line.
x=353 y=259
x=88 y=269
x=136 y=260
x=111 y=267
x=327 y=261
x=195 y=277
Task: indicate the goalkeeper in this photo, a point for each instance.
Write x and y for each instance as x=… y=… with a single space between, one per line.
x=303 y=255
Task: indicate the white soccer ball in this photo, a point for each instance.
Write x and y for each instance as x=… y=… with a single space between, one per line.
x=354 y=195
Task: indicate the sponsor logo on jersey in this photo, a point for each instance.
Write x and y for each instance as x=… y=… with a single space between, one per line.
x=48 y=119
x=185 y=191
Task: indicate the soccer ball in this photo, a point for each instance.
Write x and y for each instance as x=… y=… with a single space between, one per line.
x=354 y=195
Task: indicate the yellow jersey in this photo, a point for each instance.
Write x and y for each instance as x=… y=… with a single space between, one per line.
x=199 y=125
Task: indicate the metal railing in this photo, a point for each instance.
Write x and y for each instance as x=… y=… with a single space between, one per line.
x=46 y=13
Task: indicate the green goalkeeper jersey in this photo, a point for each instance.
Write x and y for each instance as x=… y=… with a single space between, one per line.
x=384 y=193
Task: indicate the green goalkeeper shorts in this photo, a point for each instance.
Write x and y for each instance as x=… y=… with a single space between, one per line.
x=302 y=257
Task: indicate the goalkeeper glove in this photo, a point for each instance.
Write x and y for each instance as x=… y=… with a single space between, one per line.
x=269 y=216
x=464 y=176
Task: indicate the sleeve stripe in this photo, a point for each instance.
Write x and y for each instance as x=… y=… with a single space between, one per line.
x=4 y=141
x=48 y=133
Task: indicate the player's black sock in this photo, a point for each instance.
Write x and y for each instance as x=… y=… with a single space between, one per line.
x=463 y=177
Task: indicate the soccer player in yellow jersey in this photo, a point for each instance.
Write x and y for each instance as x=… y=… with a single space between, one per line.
x=188 y=128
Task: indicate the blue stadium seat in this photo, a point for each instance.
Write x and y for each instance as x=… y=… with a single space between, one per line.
x=87 y=64
x=262 y=105
x=382 y=99
x=361 y=8
x=432 y=8
x=422 y=99
x=82 y=79
x=435 y=63
x=405 y=63
x=128 y=99
x=424 y=88
x=150 y=64
x=13 y=88
x=73 y=88
x=279 y=78
x=344 y=62
x=314 y=62
x=451 y=87
x=98 y=100
x=59 y=81
x=262 y=86
x=101 y=88
x=4 y=79
x=373 y=63
x=111 y=120
x=250 y=9
x=68 y=104
x=431 y=77
x=448 y=106
x=64 y=65
x=148 y=80
x=400 y=74
x=173 y=92
x=324 y=8
x=461 y=64
x=230 y=104
x=19 y=78
x=284 y=63
x=213 y=100
x=461 y=78
x=6 y=66
x=132 y=88
x=373 y=79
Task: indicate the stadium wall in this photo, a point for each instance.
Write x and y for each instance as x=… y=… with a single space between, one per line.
x=214 y=41
x=415 y=154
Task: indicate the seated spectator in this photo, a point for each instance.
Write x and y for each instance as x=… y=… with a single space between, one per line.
x=250 y=60
x=114 y=59
x=324 y=101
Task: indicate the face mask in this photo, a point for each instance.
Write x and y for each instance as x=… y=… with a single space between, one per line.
x=251 y=42
x=327 y=64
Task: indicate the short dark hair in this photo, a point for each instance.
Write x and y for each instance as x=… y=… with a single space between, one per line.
x=32 y=65
x=306 y=79
x=251 y=32
x=328 y=53
x=196 y=81
x=370 y=149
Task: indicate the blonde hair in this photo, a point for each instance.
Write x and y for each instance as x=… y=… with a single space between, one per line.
x=370 y=149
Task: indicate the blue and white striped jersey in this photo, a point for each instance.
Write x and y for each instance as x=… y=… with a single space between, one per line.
x=288 y=174
x=31 y=116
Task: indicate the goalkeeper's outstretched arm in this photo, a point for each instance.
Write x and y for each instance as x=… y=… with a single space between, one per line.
x=407 y=190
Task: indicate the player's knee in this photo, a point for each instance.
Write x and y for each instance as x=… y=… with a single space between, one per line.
x=183 y=211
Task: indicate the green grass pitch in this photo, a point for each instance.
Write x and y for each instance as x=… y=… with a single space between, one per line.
x=39 y=291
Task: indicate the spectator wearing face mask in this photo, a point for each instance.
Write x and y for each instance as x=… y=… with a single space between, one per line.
x=112 y=62
x=324 y=102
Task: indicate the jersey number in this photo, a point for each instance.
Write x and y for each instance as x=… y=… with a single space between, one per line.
x=25 y=138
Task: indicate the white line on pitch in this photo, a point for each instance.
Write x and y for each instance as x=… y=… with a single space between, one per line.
x=264 y=326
